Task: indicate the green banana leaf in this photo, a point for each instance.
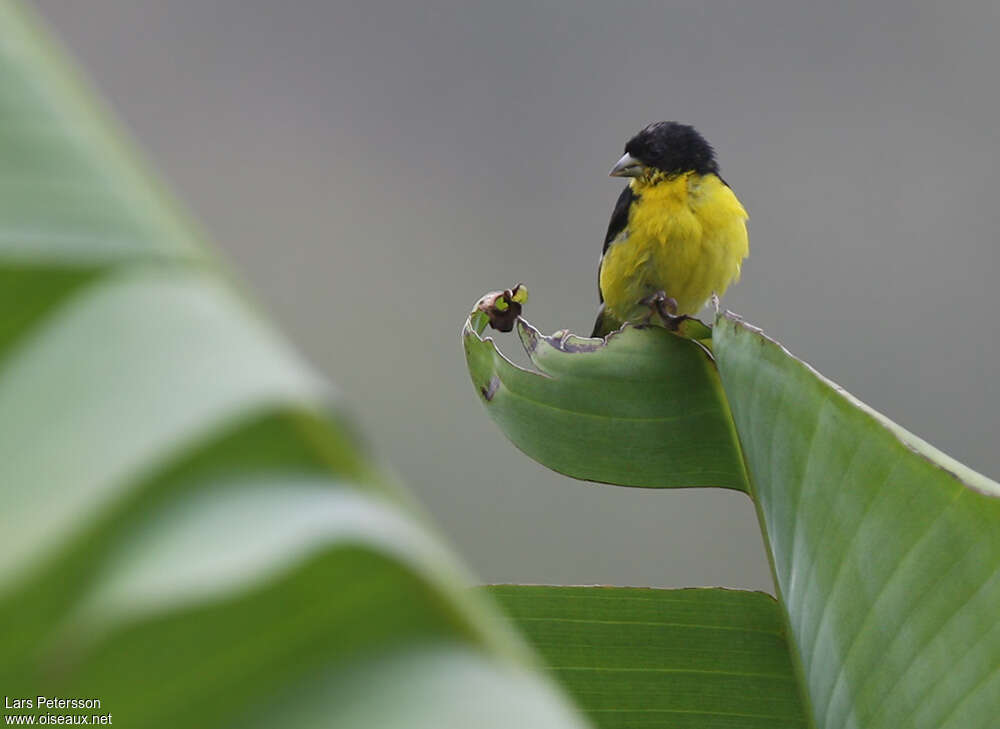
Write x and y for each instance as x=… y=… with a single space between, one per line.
x=886 y=552
x=193 y=534
x=689 y=659
x=610 y=411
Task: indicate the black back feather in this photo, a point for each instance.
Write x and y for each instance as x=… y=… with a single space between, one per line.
x=619 y=219
x=619 y=216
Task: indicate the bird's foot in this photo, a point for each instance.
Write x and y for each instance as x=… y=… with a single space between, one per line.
x=666 y=307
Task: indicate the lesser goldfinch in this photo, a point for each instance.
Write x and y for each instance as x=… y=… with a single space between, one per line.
x=677 y=233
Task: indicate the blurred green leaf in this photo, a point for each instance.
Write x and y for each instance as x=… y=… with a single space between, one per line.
x=466 y=690
x=236 y=592
x=193 y=533
x=643 y=408
x=693 y=658
x=885 y=550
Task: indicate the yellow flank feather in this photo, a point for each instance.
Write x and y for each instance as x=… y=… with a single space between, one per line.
x=686 y=236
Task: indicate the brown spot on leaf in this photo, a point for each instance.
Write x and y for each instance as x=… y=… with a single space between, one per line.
x=529 y=338
x=490 y=389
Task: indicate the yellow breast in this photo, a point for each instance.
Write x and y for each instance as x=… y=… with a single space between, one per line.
x=686 y=236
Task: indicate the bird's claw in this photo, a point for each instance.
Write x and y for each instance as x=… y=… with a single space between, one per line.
x=666 y=307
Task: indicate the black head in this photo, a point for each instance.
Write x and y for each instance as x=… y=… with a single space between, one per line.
x=673 y=148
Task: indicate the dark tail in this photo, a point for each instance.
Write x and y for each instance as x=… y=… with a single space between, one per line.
x=605 y=324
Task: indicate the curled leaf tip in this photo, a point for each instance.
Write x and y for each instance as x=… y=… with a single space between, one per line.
x=502 y=308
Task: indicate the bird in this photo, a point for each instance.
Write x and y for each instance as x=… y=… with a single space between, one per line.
x=677 y=235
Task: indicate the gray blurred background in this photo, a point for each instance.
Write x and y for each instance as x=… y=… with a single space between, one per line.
x=372 y=168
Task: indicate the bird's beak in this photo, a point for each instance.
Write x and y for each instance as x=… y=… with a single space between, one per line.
x=627 y=166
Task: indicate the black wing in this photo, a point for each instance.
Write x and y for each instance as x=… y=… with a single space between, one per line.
x=619 y=216
x=619 y=219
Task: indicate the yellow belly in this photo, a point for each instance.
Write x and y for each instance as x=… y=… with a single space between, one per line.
x=686 y=236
